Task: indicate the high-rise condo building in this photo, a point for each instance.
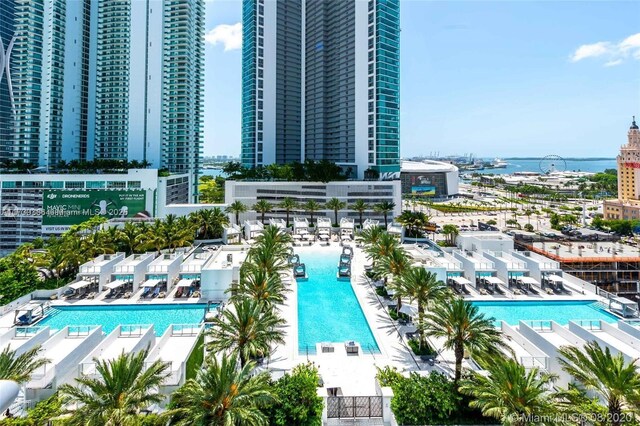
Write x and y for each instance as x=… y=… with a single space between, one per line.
x=321 y=82
x=102 y=79
x=43 y=80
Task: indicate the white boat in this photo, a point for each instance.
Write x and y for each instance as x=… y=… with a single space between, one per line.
x=499 y=164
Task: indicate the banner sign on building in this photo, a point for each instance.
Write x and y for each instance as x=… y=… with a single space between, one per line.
x=423 y=190
x=62 y=208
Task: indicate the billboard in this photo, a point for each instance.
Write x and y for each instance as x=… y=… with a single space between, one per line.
x=423 y=190
x=63 y=208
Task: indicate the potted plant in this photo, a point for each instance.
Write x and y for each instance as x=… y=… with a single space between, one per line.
x=426 y=352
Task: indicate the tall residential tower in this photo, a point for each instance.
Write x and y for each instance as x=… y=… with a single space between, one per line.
x=321 y=82
x=102 y=79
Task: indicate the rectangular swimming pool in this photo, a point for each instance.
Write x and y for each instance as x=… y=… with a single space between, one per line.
x=328 y=310
x=559 y=311
x=109 y=317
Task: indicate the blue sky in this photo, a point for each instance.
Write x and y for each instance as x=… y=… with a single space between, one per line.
x=504 y=78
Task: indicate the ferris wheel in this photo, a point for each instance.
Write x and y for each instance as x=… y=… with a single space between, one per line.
x=552 y=164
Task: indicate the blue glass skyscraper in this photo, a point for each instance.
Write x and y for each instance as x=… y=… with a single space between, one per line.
x=321 y=82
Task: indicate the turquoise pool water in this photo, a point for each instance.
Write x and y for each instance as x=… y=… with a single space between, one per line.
x=328 y=310
x=109 y=317
x=559 y=311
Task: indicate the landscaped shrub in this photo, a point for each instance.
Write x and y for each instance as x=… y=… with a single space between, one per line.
x=298 y=402
x=424 y=400
x=415 y=347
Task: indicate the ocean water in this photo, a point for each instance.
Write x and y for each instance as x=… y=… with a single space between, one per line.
x=593 y=166
x=328 y=310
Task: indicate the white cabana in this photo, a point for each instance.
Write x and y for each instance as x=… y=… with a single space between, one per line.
x=391 y=292
x=323 y=224
x=278 y=223
x=555 y=278
x=409 y=310
x=184 y=283
x=150 y=283
x=528 y=280
x=79 y=284
x=114 y=284
x=494 y=280
x=370 y=223
x=460 y=280
x=323 y=236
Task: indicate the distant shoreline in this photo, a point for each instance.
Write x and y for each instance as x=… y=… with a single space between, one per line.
x=564 y=158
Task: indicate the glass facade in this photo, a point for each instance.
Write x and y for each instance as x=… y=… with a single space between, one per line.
x=387 y=83
x=331 y=103
x=7 y=31
x=183 y=87
x=112 y=88
x=250 y=80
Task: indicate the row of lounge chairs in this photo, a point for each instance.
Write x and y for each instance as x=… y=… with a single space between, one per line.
x=189 y=292
x=153 y=292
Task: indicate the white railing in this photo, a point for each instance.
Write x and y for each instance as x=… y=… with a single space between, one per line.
x=541 y=362
x=539 y=325
x=88 y=369
x=185 y=329
x=27 y=332
x=43 y=375
x=590 y=324
x=133 y=330
x=80 y=330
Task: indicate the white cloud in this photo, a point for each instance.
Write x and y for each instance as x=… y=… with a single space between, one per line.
x=228 y=35
x=615 y=53
x=591 y=51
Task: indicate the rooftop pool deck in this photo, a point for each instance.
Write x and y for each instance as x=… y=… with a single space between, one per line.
x=328 y=309
x=110 y=316
x=560 y=311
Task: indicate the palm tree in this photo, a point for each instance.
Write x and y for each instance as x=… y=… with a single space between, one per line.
x=258 y=284
x=451 y=231
x=262 y=207
x=123 y=388
x=464 y=328
x=128 y=238
x=287 y=205
x=154 y=237
x=381 y=248
x=335 y=205
x=236 y=208
x=270 y=250
x=394 y=265
x=19 y=368
x=510 y=393
x=311 y=206
x=615 y=381
x=361 y=207
x=176 y=233
x=223 y=394
x=369 y=237
x=415 y=222
x=424 y=287
x=247 y=330
x=384 y=208
x=209 y=223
